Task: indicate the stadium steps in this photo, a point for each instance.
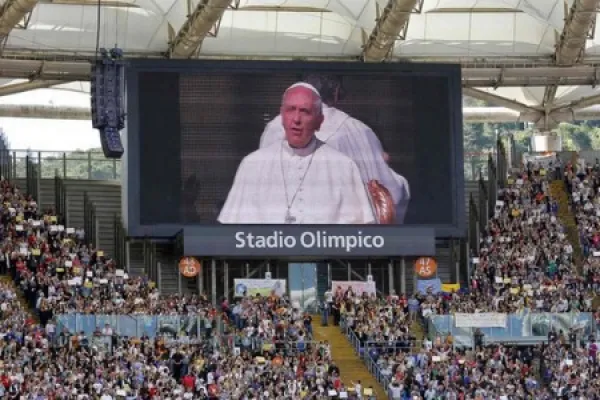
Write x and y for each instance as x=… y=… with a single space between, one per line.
x=106 y=197
x=352 y=368
x=8 y=280
x=566 y=217
x=420 y=332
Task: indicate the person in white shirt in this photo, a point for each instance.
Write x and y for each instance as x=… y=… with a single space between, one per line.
x=299 y=180
x=352 y=138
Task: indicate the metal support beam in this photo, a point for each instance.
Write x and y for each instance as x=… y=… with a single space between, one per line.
x=572 y=41
x=47 y=70
x=581 y=103
x=393 y=20
x=12 y=12
x=26 y=86
x=470 y=114
x=471 y=76
x=571 y=45
x=44 y=112
x=496 y=100
x=205 y=16
x=501 y=114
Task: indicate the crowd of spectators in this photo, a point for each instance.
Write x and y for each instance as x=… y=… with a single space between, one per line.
x=434 y=369
x=374 y=319
x=265 y=352
x=571 y=366
x=525 y=259
x=583 y=183
x=440 y=371
x=40 y=363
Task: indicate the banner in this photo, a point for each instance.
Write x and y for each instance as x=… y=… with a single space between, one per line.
x=358 y=287
x=264 y=287
x=450 y=287
x=480 y=320
x=543 y=160
x=431 y=286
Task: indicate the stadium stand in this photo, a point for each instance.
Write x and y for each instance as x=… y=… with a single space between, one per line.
x=266 y=348
x=526 y=261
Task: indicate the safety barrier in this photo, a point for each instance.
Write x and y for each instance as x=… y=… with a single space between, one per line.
x=524 y=328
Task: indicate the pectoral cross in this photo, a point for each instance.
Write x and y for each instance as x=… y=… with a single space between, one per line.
x=289 y=219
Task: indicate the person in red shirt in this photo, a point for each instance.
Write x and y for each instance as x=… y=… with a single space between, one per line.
x=5 y=380
x=189 y=382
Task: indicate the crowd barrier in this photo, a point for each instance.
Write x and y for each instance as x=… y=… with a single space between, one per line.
x=136 y=325
x=170 y=326
x=522 y=328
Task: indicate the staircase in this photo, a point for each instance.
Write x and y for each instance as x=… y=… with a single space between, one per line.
x=567 y=219
x=106 y=196
x=352 y=368
x=418 y=330
x=22 y=300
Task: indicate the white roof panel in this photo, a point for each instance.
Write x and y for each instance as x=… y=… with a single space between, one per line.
x=456 y=28
x=272 y=27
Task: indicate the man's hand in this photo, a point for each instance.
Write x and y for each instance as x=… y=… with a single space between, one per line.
x=382 y=201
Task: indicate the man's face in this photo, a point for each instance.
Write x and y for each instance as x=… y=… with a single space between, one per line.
x=301 y=119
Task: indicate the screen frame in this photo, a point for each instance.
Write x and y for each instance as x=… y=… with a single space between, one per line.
x=451 y=72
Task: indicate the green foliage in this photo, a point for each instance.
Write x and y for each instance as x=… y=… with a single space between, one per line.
x=480 y=138
x=90 y=164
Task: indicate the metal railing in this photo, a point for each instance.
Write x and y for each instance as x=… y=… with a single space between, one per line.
x=120 y=235
x=362 y=350
x=490 y=180
x=32 y=178
x=151 y=268
x=91 y=224
x=73 y=165
x=60 y=200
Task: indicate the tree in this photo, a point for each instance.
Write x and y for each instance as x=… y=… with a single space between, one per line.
x=79 y=164
x=479 y=138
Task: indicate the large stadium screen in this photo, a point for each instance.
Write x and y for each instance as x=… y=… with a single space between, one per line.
x=233 y=143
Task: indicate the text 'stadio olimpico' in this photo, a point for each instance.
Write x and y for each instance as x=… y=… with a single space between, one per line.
x=319 y=239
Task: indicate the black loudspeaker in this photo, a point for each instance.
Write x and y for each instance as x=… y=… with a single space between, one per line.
x=107 y=97
x=111 y=142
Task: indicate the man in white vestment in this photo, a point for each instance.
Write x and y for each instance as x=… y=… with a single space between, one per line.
x=352 y=138
x=300 y=179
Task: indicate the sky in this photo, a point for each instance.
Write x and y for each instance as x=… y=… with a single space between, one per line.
x=47 y=134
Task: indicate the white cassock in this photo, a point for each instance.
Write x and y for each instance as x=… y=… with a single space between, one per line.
x=356 y=140
x=323 y=187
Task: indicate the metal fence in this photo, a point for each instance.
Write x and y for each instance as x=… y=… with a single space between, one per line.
x=15 y=164
x=490 y=180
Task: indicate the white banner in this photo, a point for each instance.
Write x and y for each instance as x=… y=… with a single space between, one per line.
x=480 y=320
x=543 y=160
x=264 y=287
x=358 y=287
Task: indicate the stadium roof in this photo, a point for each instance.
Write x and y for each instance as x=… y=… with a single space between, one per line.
x=296 y=28
x=550 y=47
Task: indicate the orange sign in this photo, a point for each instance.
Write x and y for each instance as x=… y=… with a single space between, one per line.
x=425 y=267
x=189 y=267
